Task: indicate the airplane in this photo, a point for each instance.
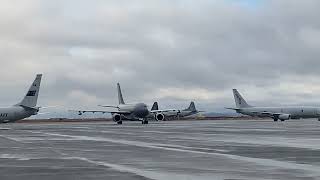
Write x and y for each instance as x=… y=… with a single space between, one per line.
x=26 y=108
x=276 y=113
x=132 y=112
x=191 y=110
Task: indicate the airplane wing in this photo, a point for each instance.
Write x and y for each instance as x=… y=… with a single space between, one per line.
x=265 y=113
x=164 y=111
x=108 y=106
x=98 y=111
x=270 y=113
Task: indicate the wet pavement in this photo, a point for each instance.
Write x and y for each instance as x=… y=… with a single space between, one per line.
x=161 y=150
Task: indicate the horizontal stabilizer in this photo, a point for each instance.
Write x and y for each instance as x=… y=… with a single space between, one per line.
x=30 y=108
x=232 y=108
x=47 y=107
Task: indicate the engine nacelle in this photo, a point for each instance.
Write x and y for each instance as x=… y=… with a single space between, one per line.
x=284 y=116
x=159 y=117
x=116 y=117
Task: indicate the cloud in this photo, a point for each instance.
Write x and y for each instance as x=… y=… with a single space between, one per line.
x=169 y=51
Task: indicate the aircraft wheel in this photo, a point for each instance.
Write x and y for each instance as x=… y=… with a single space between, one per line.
x=275 y=119
x=282 y=120
x=319 y=119
x=145 y=122
x=119 y=122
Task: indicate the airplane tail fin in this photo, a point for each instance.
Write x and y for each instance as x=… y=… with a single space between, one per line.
x=31 y=98
x=155 y=106
x=120 y=97
x=240 y=102
x=191 y=107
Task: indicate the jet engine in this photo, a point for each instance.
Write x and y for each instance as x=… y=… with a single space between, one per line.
x=284 y=117
x=159 y=117
x=116 y=117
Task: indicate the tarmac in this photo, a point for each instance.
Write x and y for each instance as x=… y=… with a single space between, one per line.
x=170 y=150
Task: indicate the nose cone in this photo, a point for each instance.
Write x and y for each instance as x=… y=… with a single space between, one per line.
x=141 y=110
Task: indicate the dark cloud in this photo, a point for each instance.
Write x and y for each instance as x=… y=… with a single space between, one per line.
x=170 y=51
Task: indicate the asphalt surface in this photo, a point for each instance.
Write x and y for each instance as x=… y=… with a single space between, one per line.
x=161 y=150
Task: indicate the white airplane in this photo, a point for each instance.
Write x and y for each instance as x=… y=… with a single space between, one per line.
x=173 y=113
x=131 y=112
x=26 y=108
x=276 y=113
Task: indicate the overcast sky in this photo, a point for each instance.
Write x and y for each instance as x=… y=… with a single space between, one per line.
x=171 y=51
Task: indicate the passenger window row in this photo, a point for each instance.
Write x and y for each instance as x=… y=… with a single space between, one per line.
x=4 y=115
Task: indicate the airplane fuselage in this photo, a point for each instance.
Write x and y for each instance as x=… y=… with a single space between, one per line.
x=294 y=112
x=182 y=113
x=139 y=110
x=179 y=113
x=187 y=113
x=14 y=113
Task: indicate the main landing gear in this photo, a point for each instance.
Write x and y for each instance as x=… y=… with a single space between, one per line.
x=276 y=119
x=119 y=122
x=145 y=121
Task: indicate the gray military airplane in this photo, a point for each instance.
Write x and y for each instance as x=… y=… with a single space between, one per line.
x=276 y=113
x=131 y=112
x=173 y=113
x=26 y=108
